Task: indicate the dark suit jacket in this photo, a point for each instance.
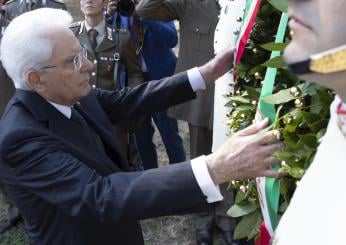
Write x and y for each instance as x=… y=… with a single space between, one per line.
x=159 y=39
x=71 y=193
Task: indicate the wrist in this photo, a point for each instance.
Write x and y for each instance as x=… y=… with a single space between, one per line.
x=210 y=162
x=207 y=73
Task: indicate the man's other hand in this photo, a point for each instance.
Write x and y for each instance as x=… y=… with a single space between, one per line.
x=219 y=65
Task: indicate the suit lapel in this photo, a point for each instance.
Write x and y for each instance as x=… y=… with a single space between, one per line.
x=73 y=138
x=106 y=137
x=103 y=126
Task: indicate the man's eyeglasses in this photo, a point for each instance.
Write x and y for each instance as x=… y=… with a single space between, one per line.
x=77 y=60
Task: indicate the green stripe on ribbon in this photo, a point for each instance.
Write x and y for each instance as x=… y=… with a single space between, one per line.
x=272 y=186
x=247 y=7
x=246 y=12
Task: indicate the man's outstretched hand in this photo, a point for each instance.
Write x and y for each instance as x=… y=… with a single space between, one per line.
x=219 y=65
x=247 y=154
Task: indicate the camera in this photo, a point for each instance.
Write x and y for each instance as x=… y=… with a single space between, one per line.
x=126 y=7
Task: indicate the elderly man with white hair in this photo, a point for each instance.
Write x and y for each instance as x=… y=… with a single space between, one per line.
x=68 y=190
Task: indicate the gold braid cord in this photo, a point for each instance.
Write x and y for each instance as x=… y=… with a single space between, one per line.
x=333 y=60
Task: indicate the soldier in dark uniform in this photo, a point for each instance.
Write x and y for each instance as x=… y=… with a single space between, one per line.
x=18 y=7
x=111 y=52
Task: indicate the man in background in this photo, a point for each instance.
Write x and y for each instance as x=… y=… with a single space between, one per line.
x=153 y=41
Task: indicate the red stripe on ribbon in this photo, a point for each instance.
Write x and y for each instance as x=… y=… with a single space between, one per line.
x=246 y=36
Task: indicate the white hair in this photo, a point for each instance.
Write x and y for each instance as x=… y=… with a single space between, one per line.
x=26 y=43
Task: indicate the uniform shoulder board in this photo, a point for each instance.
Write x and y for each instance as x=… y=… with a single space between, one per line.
x=75 y=24
x=59 y=1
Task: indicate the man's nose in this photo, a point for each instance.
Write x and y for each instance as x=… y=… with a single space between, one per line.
x=87 y=65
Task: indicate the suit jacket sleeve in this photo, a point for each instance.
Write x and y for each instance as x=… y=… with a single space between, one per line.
x=165 y=10
x=44 y=167
x=130 y=103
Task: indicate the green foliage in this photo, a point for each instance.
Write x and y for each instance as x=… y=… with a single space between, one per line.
x=238 y=210
x=274 y=46
x=249 y=225
x=276 y=62
x=302 y=115
x=279 y=4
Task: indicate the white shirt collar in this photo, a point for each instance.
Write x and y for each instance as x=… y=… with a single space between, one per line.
x=65 y=110
x=100 y=28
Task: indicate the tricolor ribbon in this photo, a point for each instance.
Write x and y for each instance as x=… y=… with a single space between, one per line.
x=251 y=10
x=230 y=10
x=269 y=188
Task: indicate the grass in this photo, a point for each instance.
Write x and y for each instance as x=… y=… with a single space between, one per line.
x=15 y=236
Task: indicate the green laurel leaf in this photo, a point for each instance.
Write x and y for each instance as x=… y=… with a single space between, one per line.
x=281 y=5
x=276 y=62
x=274 y=46
x=248 y=227
x=238 y=210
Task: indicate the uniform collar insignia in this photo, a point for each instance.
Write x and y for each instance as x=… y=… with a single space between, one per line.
x=109 y=34
x=81 y=28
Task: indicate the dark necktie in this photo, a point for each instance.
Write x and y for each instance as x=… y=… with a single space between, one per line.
x=80 y=121
x=92 y=33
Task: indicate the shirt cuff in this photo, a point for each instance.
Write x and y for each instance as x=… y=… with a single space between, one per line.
x=196 y=80
x=209 y=189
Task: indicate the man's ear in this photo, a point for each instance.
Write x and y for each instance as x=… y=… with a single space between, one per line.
x=33 y=81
